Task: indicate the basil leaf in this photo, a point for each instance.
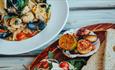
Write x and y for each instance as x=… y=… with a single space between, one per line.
x=35 y=68
x=50 y=55
x=77 y=63
x=9 y=3
x=50 y=66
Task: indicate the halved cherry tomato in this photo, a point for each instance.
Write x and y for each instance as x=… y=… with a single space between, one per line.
x=84 y=46
x=64 y=65
x=21 y=36
x=1 y=30
x=31 y=34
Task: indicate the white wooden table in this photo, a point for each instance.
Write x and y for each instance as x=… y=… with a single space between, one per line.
x=82 y=13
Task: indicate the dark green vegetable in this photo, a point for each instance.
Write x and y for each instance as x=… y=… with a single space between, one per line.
x=48 y=8
x=50 y=66
x=9 y=3
x=20 y=4
x=3 y=27
x=77 y=63
x=50 y=55
x=35 y=68
x=8 y=17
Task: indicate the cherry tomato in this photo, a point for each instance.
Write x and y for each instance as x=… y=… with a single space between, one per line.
x=1 y=31
x=21 y=36
x=31 y=34
x=64 y=65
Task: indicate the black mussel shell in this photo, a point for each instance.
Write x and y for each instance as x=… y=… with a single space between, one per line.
x=5 y=34
x=41 y=25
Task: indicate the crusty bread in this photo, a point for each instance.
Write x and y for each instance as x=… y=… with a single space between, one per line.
x=110 y=50
x=96 y=61
x=104 y=59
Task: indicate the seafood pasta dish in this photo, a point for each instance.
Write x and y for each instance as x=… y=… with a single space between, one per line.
x=23 y=19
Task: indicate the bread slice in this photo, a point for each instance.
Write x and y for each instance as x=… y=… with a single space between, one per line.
x=95 y=62
x=109 y=63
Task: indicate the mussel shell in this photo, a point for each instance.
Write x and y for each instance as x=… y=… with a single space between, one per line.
x=36 y=25
x=41 y=25
x=5 y=34
x=32 y=26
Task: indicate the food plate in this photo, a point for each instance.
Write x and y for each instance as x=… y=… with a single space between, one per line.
x=97 y=44
x=99 y=29
x=59 y=14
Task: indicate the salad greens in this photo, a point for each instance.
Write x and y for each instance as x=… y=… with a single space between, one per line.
x=77 y=63
x=50 y=55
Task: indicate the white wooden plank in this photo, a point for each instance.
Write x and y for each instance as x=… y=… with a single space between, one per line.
x=91 y=3
x=16 y=63
x=83 y=18
x=76 y=19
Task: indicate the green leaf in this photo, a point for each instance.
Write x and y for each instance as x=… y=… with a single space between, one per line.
x=35 y=68
x=48 y=8
x=21 y=4
x=50 y=55
x=9 y=3
x=77 y=63
x=50 y=66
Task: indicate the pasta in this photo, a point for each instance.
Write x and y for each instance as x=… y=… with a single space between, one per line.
x=23 y=19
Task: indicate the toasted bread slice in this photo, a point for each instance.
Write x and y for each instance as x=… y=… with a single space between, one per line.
x=109 y=62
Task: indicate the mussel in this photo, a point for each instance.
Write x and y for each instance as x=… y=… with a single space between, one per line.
x=5 y=34
x=36 y=25
x=32 y=26
x=41 y=25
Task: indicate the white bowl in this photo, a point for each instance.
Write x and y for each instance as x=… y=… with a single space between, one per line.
x=60 y=10
x=97 y=45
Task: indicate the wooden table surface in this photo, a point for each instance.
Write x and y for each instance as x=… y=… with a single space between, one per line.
x=82 y=13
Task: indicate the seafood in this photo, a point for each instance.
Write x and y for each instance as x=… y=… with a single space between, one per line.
x=23 y=19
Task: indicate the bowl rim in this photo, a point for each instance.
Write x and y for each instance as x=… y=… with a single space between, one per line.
x=35 y=48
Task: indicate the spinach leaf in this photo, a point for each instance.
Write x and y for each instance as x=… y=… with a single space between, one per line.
x=50 y=66
x=35 y=68
x=77 y=63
